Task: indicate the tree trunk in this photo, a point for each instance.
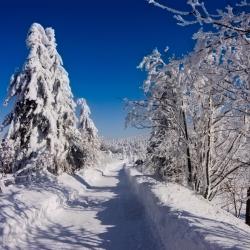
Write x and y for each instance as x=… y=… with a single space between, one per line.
x=248 y=207
x=207 y=177
x=190 y=174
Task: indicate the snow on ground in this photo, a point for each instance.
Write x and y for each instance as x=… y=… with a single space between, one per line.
x=93 y=209
x=183 y=220
x=114 y=208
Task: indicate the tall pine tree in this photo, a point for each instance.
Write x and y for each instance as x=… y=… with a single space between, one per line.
x=43 y=118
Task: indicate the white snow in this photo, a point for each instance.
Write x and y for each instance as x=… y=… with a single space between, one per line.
x=94 y=209
x=112 y=207
x=184 y=220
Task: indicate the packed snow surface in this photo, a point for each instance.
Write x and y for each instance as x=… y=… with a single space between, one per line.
x=93 y=209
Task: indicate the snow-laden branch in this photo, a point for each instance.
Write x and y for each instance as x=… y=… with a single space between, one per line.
x=226 y=19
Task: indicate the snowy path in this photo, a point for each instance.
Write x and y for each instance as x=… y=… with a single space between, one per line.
x=102 y=213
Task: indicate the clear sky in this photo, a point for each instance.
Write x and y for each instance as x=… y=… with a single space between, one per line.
x=101 y=43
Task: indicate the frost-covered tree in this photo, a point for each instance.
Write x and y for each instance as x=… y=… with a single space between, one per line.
x=85 y=124
x=228 y=80
x=88 y=131
x=132 y=149
x=218 y=127
x=194 y=117
x=168 y=150
x=206 y=106
x=43 y=117
x=211 y=91
x=229 y=40
x=228 y=20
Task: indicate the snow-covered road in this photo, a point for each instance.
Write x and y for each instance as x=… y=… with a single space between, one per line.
x=102 y=213
x=99 y=208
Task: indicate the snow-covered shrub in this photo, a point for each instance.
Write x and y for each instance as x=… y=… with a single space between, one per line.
x=6 y=156
x=35 y=168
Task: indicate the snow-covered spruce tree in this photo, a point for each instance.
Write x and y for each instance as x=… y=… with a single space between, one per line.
x=68 y=147
x=43 y=118
x=85 y=124
x=88 y=131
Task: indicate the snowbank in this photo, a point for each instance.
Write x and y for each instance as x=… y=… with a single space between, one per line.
x=24 y=207
x=21 y=208
x=183 y=220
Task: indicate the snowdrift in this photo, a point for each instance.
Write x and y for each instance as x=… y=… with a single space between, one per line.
x=22 y=207
x=25 y=207
x=185 y=221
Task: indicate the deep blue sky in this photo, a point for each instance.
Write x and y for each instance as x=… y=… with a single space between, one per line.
x=101 y=43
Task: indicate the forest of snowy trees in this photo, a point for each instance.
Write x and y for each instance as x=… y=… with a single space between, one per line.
x=198 y=107
x=64 y=186
x=132 y=148
x=42 y=130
